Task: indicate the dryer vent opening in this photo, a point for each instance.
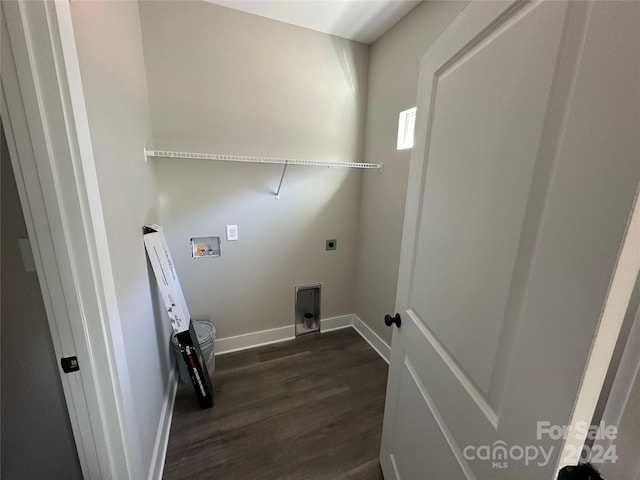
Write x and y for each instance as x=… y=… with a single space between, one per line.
x=307 y=310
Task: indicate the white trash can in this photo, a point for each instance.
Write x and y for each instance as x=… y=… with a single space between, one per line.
x=206 y=333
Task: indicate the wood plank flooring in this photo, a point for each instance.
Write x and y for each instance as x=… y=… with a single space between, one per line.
x=306 y=409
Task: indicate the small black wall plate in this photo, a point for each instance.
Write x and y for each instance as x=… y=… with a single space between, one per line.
x=69 y=364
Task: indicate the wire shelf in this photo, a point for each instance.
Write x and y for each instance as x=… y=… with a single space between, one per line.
x=249 y=159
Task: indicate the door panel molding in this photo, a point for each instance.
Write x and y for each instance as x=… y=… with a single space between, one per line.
x=442 y=424
x=555 y=124
x=473 y=391
x=483 y=146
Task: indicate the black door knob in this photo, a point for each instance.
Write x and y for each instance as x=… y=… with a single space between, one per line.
x=389 y=320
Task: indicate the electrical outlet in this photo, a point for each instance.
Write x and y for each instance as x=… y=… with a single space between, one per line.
x=232 y=233
x=331 y=244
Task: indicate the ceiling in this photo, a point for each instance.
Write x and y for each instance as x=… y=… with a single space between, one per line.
x=360 y=20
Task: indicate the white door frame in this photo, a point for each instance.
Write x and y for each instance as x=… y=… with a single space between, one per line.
x=46 y=125
x=605 y=340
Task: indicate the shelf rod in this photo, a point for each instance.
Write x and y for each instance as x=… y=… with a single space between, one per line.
x=281 y=179
x=249 y=159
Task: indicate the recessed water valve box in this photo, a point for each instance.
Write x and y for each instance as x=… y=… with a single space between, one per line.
x=205 y=247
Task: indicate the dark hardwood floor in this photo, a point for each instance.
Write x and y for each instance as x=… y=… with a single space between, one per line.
x=305 y=409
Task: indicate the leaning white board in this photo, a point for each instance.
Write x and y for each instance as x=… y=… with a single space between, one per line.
x=162 y=264
x=165 y=272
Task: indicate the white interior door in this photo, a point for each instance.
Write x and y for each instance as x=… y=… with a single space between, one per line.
x=522 y=181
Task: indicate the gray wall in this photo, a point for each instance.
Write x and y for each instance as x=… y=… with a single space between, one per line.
x=109 y=46
x=35 y=422
x=394 y=67
x=228 y=82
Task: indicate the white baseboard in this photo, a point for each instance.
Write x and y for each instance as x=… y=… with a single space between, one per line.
x=156 y=468
x=255 y=339
x=275 y=335
x=372 y=338
x=336 y=323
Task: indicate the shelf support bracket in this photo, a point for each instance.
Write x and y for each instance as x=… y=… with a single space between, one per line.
x=284 y=170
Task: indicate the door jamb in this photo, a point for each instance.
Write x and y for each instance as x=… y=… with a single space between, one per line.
x=45 y=120
x=605 y=340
